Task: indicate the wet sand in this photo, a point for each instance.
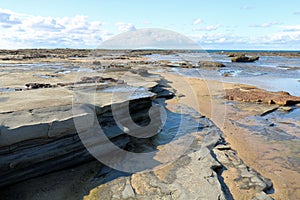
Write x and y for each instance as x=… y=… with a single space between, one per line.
x=254 y=150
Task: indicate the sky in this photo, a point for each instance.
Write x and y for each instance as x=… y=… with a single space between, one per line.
x=212 y=24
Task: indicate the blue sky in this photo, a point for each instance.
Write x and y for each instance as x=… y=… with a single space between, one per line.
x=213 y=24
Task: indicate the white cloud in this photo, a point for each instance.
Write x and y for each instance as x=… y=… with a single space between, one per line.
x=8 y=18
x=197 y=21
x=42 y=24
x=291 y=28
x=208 y=28
x=215 y=38
x=280 y=40
x=265 y=24
x=125 y=26
x=293 y=35
x=19 y=30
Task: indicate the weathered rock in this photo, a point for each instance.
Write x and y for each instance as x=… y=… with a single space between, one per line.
x=244 y=59
x=97 y=79
x=181 y=64
x=262 y=196
x=286 y=108
x=223 y=147
x=35 y=149
x=194 y=175
x=98 y=63
x=40 y=136
x=142 y=72
x=210 y=64
x=244 y=177
x=30 y=54
x=230 y=55
x=162 y=92
x=84 y=80
x=252 y=94
x=92 y=79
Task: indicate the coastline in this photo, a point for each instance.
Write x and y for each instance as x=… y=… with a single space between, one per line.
x=236 y=177
x=249 y=148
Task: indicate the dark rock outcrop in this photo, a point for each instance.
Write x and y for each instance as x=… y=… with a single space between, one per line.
x=35 y=149
x=96 y=79
x=244 y=59
x=84 y=80
x=30 y=54
x=38 y=85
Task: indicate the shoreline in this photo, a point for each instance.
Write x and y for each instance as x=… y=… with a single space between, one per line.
x=239 y=161
x=285 y=184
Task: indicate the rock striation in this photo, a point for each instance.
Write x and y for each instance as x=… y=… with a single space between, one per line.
x=38 y=135
x=44 y=140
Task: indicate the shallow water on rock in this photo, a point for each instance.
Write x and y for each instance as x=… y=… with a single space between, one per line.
x=280 y=131
x=263 y=73
x=182 y=122
x=56 y=68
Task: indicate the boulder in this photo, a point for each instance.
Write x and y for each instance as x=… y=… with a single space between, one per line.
x=210 y=64
x=244 y=58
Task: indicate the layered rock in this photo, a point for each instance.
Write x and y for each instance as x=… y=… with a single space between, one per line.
x=197 y=174
x=39 y=141
x=39 y=134
x=202 y=64
x=252 y=94
x=242 y=176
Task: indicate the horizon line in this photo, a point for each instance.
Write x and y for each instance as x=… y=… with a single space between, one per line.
x=148 y=49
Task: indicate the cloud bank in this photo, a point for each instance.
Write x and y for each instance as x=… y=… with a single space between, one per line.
x=18 y=30
x=36 y=31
